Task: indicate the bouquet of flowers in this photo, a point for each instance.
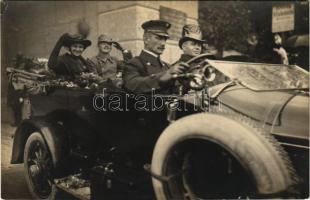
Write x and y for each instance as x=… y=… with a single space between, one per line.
x=31 y=64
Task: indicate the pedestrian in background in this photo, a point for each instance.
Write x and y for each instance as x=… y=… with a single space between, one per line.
x=281 y=55
x=273 y=51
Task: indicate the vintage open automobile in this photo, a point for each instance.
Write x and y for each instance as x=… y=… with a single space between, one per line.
x=241 y=130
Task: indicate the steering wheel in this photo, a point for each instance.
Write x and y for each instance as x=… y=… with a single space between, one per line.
x=197 y=58
x=197 y=75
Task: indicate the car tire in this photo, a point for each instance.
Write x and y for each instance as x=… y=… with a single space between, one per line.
x=39 y=168
x=191 y=143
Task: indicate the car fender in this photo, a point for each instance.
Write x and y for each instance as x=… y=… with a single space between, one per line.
x=54 y=135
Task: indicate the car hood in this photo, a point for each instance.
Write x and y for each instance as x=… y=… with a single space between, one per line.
x=286 y=111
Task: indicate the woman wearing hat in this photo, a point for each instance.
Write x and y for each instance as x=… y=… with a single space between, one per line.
x=70 y=64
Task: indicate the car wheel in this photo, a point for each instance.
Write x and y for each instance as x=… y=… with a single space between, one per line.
x=38 y=168
x=207 y=156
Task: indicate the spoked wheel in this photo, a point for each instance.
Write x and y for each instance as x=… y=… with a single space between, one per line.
x=38 y=167
x=212 y=156
x=204 y=170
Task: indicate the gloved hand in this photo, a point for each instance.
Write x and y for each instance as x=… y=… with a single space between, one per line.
x=176 y=69
x=127 y=55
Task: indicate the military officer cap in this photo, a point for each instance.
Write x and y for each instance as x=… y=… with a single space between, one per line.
x=158 y=27
x=191 y=32
x=104 y=38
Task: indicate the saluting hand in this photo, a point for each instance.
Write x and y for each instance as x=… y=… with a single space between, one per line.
x=64 y=37
x=118 y=46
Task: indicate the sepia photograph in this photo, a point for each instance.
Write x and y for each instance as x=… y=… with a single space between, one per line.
x=154 y=100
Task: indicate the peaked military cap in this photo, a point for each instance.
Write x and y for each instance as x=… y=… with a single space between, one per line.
x=158 y=27
x=104 y=38
x=191 y=32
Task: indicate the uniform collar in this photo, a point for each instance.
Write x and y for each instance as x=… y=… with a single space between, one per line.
x=151 y=60
x=108 y=58
x=151 y=53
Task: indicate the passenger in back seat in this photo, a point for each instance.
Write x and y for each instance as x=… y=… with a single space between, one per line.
x=70 y=64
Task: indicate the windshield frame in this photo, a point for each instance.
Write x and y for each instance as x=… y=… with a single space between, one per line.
x=217 y=65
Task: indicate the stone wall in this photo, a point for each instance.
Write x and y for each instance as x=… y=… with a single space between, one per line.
x=33 y=27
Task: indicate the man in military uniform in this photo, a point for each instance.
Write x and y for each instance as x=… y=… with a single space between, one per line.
x=148 y=72
x=105 y=65
x=191 y=42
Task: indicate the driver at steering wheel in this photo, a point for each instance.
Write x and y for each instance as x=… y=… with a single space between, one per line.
x=191 y=44
x=148 y=72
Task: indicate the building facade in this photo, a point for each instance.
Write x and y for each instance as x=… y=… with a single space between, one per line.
x=33 y=28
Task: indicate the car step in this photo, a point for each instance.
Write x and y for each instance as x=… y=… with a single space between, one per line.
x=75 y=186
